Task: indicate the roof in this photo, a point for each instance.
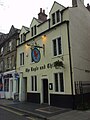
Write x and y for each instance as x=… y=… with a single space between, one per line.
x=54 y=4
x=26 y=28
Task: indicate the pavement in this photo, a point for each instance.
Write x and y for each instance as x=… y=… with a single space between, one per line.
x=44 y=111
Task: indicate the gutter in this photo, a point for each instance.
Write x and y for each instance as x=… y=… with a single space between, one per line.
x=50 y=28
x=69 y=47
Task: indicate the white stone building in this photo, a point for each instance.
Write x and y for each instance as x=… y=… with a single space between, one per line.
x=53 y=61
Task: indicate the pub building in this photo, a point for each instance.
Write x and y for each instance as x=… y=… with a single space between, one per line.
x=51 y=58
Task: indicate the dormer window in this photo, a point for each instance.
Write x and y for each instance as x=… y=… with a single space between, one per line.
x=23 y=37
x=56 y=17
x=33 y=30
x=53 y=18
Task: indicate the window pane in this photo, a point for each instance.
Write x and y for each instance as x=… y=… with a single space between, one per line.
x=53 y=18
x=59 y=46
x=35 y=30
x=56 y=82
x=61 y=82
x=54 y=48
x=32 y=83
x=58 y=16
x=21 y=38
x=22 y=58
x=32 y=31
x=35 y=83
x=4 y=84
x=24 y=37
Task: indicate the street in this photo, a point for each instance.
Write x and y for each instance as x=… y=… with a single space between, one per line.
x=7 y=114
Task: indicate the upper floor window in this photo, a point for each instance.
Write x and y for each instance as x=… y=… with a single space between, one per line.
x=56 y=17
x=53 y=18
x=59 y=82
x=22 y=58
x=1 y=65
x=34 y=83
x=33 y=30
x=57 y=49
x=9 y=62
x=1 y=50
x=18 y=41
x=13 y=61
x=23 y=37
x=10 y=46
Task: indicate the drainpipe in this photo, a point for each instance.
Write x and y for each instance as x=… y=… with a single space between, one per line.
x=73 y=102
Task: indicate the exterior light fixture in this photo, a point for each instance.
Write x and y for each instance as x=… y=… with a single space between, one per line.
x=35 y=45
x=44 y=38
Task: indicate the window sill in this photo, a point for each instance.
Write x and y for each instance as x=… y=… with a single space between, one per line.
x=58 y=56
x=34 y=92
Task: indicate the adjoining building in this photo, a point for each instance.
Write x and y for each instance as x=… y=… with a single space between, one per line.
x=8 y=75
x=53 y=57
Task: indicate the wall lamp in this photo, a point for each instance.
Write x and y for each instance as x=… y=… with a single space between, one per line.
x=37 y=46
x=44 y=38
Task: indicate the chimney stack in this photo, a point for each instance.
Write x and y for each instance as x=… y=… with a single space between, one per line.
x=40 y=10
x=42 y=16
x=75 y=2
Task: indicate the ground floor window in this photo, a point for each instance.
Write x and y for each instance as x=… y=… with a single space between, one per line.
x=6 y=85
x=33 y=83
x=59 y=82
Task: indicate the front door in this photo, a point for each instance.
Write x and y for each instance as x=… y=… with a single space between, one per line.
x=45 y=90
x=24 y=90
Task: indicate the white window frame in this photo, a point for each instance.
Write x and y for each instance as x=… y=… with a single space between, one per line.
x=33 y=30
x=22 y=59
x=57 y=46
x=34 y=83
x=23 y=38
x=59 y=88
x=55 y=13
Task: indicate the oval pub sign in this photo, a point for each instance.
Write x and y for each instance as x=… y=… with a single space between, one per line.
x=35 y=55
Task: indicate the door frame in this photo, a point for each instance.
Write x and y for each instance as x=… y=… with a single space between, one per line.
x=11 y=82
x=42 y=91
x=25 y=85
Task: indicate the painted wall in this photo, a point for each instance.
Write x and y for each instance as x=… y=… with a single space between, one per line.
x=60 y=31
x=80 y=42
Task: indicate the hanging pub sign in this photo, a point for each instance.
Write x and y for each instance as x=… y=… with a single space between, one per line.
x=35 y=54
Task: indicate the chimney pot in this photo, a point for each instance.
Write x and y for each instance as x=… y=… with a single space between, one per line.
x=88 y=4
x=40 y=10
x=44 y=11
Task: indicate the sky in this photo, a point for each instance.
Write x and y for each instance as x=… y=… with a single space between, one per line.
x=21 y=12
